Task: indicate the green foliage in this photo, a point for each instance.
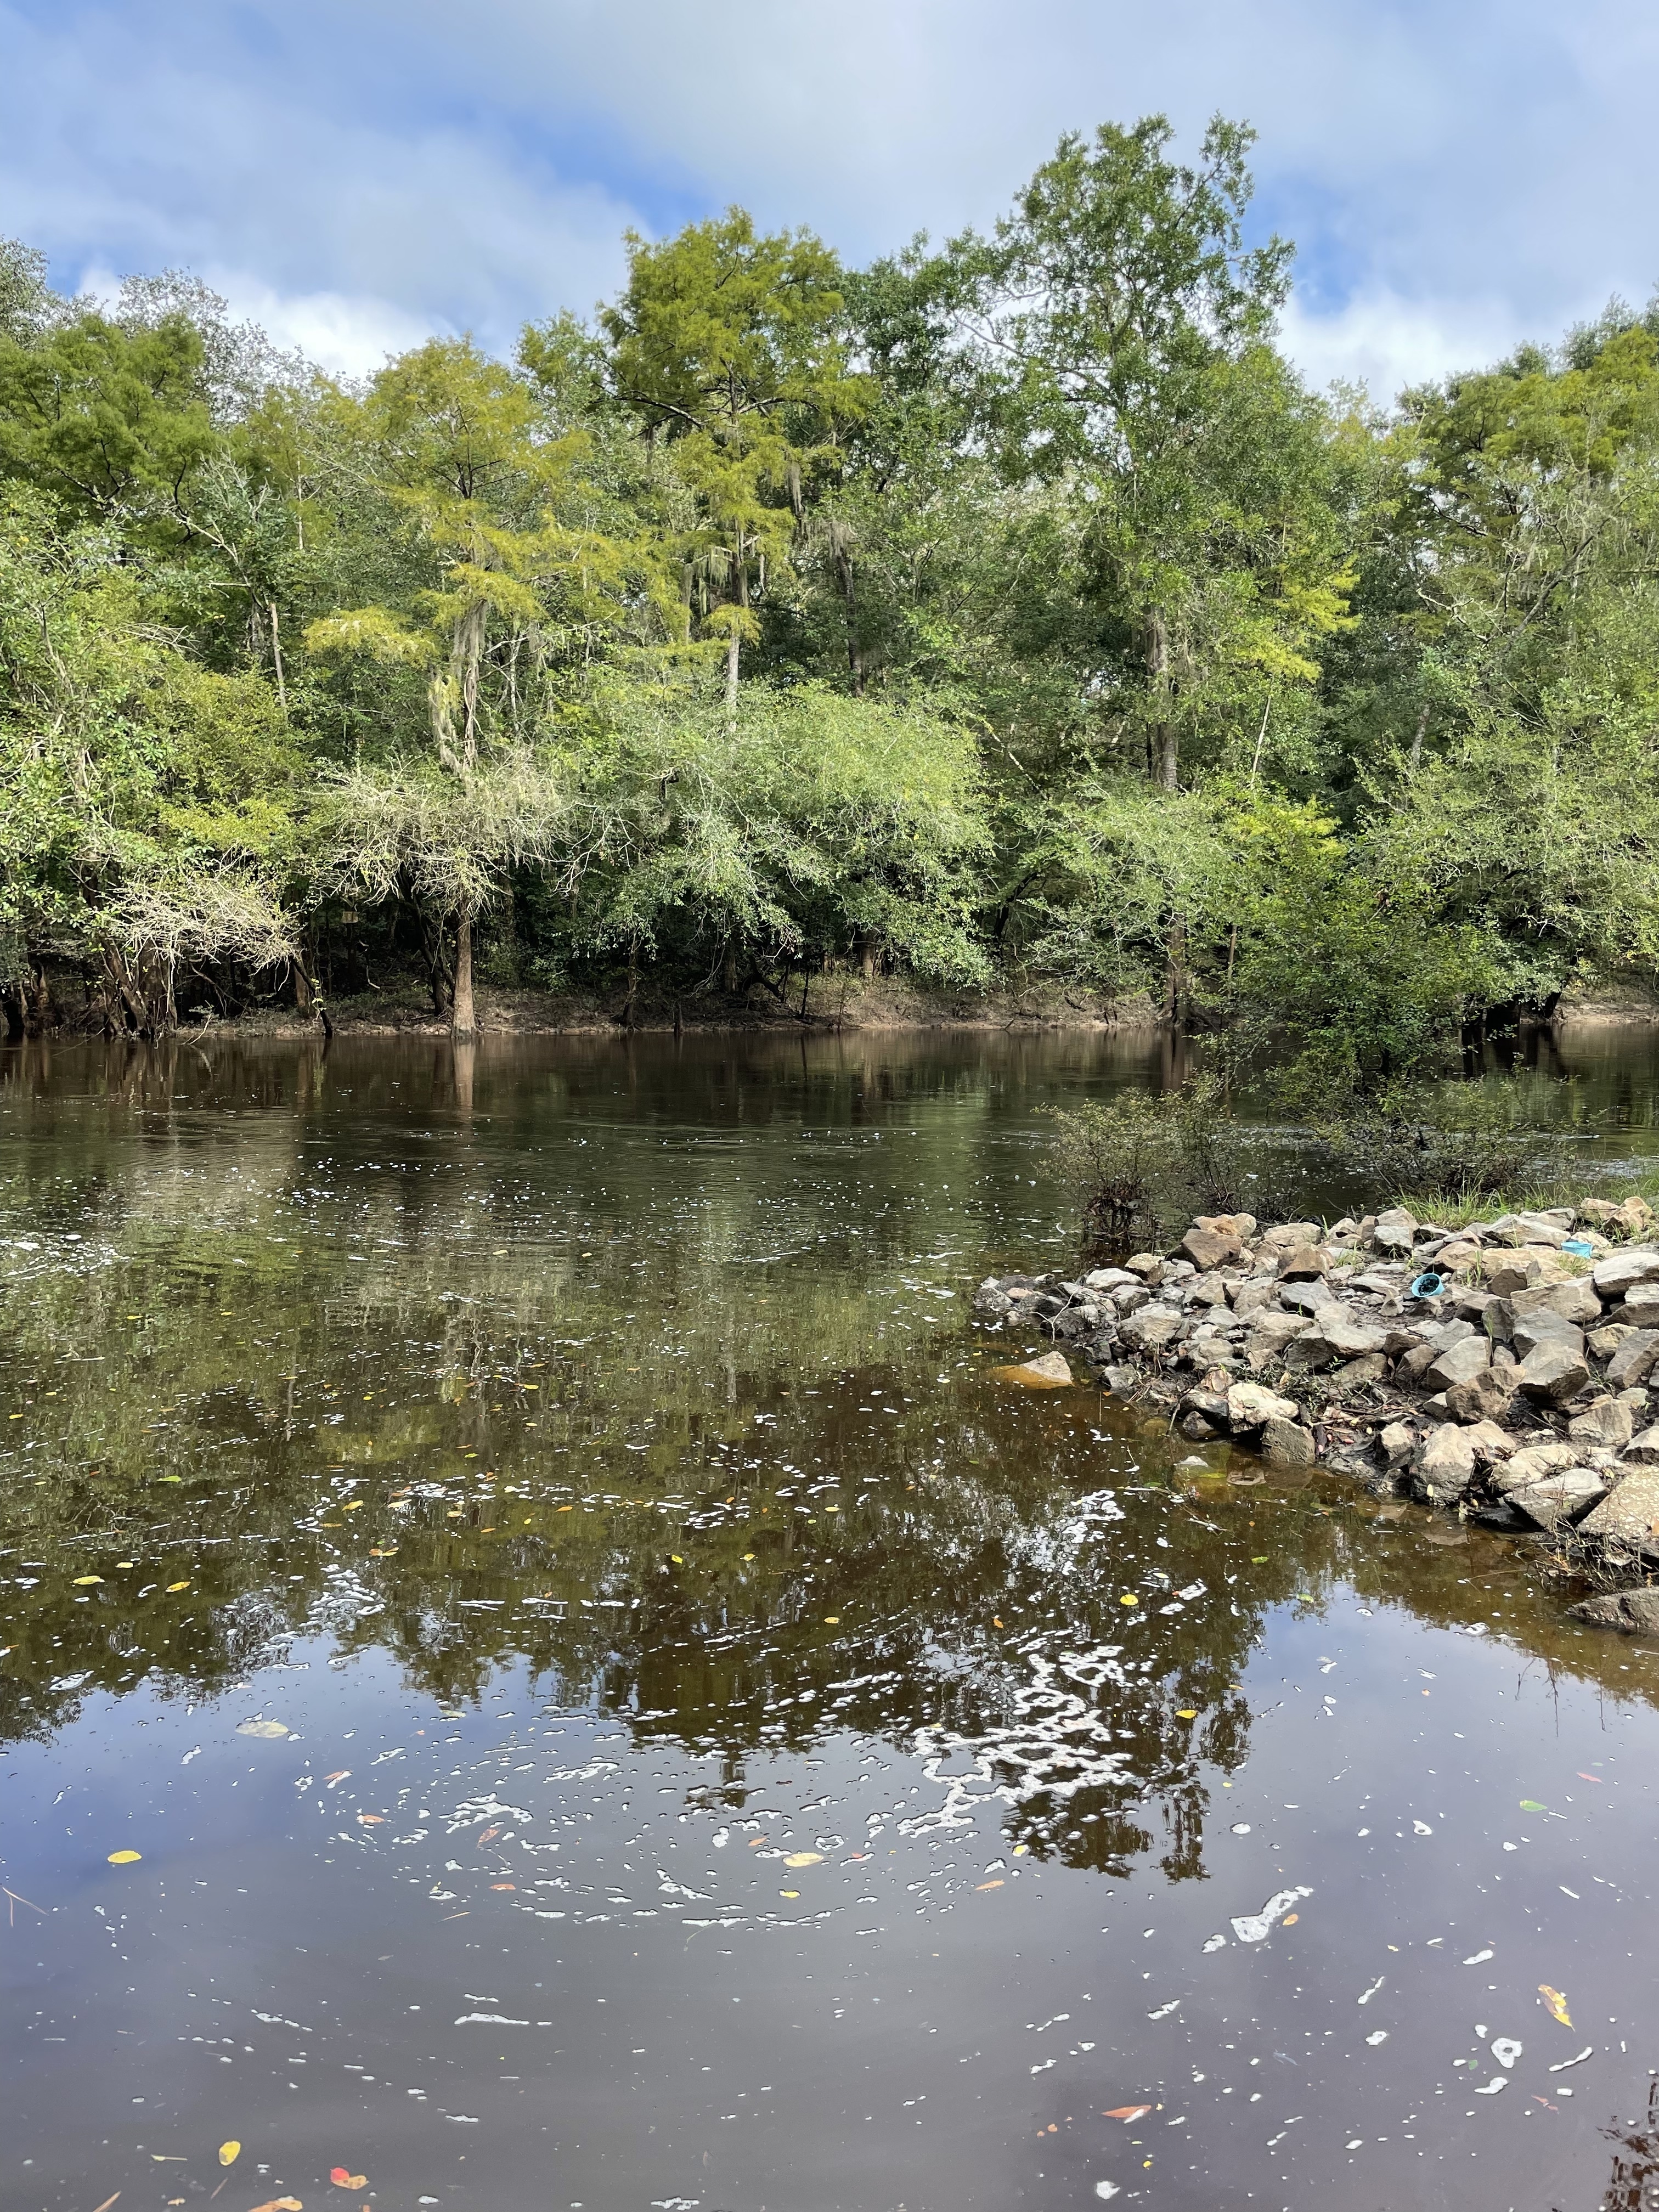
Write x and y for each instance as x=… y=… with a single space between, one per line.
x=1081 y=645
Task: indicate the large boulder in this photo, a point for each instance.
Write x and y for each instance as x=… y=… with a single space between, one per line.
x=1050 y=1372
x=1286 y=1444
x=1546 y=1327
x=1621 y=1271
x=1249 y=1404
x=1348 y=1336
x=1608 y=1422
x=1269 y=1334
x=1574 y=1300
x=1559 y=1500
x=1634 y=1612
x=1458 y=1363
x=1150 y=1329
x=1644 y=1450
x=1303 y=1263
x=1484 y=1397
x=1553 y=1372
x=1210 y=1248
x=1634 y=1359
x=1396 y=1233
x=1628 y=1517
x=1533 y=1463
x=1445 y=1465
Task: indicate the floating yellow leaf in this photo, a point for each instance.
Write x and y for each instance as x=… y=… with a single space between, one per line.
x=832 y=1620
x=996 y=1883
x=124 y=1858
x=1188 y=1713
x=82 y=1581
x=1128 y=1598
x=788 y=1893
x=1291 y=1919
x=229 y=2152
x=676 y=1557
x=271 y=1730
x=804 y=1858
x=174 y=1588
x=281 y=2204
x=1557 y=2004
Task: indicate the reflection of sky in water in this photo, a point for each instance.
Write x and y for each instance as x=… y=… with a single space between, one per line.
x=596 y=1565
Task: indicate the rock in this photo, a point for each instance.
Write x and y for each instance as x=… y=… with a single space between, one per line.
x=1559 y=1500
x=1211 y=1290
x=1255 y=1297
x=1285 y=1443
x=1629 y=1515
x=1249 y=1404
x=1608 y=1421
x=1197 y=1430
x=1122 y=1380
x=1395 y=1443
x=1071 y=1323
x=1130 y=1298
x=1634 y=1612
x=1517 y=1229
x=1209 y=1248
x=1644 y=1451
x=1459 y=1252
x=1149 y=1266
x=1532 y=1463
x=1574 y=1300
x=1109 y=1278
x=991 y=1301
x=1310 y=1297
x=1050 y=1372
x=1606 y=1340
x=1269 y=1334
x=1241 y=1225
x=1415 y=1364
x=1637 y=1263
x=1554 y=1372
x=1445 y=1465
x=1533 y=1329
x=1150 y=1329
x=1395 y=1232
x=1457 y=1362
x=1209 y=1347
x=1303 y=1263
x=1633 y=1361
x=1640 y=1305
x=1211 y=1405
x=1491 y=1444
x=1286 y=1237
x=1483 y=1397
x=1526 y=1271
x=1356 y=1374
x=1348 y=1336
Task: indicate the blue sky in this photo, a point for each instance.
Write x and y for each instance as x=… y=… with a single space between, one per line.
x=357 y=173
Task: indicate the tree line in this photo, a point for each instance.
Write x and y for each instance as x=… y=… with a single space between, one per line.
x=1009 y=610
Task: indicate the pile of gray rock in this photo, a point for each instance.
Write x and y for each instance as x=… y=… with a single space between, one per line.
x=1500 y=1369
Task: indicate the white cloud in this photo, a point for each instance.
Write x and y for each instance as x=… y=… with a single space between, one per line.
x=1385 y=343
x=1460 y=174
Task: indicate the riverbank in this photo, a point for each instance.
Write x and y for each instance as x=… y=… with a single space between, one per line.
x=1498 y=1369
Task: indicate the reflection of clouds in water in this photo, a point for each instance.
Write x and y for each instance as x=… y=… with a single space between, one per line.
x=1056 y=1742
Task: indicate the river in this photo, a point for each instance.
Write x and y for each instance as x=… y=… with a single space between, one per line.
x=560 y=1482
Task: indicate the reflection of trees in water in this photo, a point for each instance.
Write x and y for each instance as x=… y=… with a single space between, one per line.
x=1633 y=2183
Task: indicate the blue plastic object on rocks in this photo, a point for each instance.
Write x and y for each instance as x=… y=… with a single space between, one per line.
x=1428 y=1287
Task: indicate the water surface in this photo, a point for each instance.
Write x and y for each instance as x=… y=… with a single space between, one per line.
x=559 y=1483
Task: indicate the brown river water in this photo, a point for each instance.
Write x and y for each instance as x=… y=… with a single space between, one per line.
x=560 y=1484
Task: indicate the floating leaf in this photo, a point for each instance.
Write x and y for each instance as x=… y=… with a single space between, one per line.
x=371 y=1819
x=788 y=1893
x=281 y=2204
x=1128 y=1598
x=1127 y=2112
x=124 y=1858
x=174 y=1588
x=341 y=2179
x=229 y=2152
x=996 y=1883
x=803 y=1858
x=1557 y=2004
x=1532 y=1805
x=1188 y=1713
x=82 y=1581
x=271 y=1730
x=832 y=1619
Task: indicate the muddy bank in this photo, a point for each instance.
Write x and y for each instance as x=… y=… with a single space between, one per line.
x=1499 y=1372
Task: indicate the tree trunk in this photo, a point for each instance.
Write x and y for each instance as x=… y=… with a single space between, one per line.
x=462 y=1022
x=277 y=659
x=1165 y=762
x=1175 y=996
x=733 y=644
x=729 y=979
x=301 y=986
x=854 y=658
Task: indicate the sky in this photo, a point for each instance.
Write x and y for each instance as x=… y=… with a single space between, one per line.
x=1458 y=174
